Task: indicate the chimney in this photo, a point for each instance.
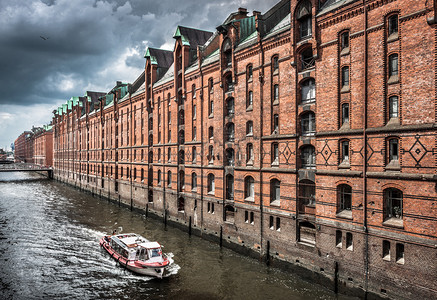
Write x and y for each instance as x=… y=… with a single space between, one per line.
x=256 y=13
x=242 y=11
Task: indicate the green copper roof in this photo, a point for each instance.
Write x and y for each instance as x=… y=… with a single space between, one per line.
x=153 y=59
x=64 y=108
x=178 y=34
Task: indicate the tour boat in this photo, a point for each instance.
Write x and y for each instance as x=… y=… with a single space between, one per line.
x=136 y=253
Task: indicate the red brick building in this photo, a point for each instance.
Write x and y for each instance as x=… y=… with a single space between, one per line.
x=23 y=148
x=306 y=134
x=43 y=146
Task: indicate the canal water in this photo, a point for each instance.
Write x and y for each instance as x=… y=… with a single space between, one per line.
x=49 y=249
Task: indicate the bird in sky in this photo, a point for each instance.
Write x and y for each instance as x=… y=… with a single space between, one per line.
x=44 y=38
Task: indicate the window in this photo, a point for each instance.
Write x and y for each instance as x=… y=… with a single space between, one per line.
x=142 y=174
x=275 y=192
x=229 y=187
x=194 y=182
x=246 y=216
x=338 y=238
x=392 y=30
x=307 y=196
x=194 y=112
x=159 y=155
x=194 y=133
x=308 y=90
x=229 y=214
x=275 y=153
x=210 y=85
x=345 y=78
x=169 y=178
x=393 y=70
x=344 y=42
x=400 y=259
x=230 y=157
x=210 y=154
x=386 y=250
x=308 y=157
x=249 y=101
x=211 y=132
x=169 y=117
x=345 y=113
x=344 y=152
x=181 y=204
x=193 y=90
x=230 y=106
x=169 y=135
x=275 y=93
x=307 y=59
x=304 y=19
x=393 y=150
x=181 y=181
x=393 y=107
x=308 y=123
x=249 y=128
x=211 y=184
x=181 y=157
x=249 y=72
x=169 y=155
x=211 y=107
x=194 y=154
x=275 y=124
x=227 y=53
x=349 y=241
x=393 y=202
x=159 y=177
x=307 y=233
x=249 y=188
x=230 y=132
x=181 y=137
x=249 y=153
x=344 y=194
x=275 y=63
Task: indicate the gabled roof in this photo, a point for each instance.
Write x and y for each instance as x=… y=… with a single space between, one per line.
x=332 y=5
x=160 y=57
x=192 y=37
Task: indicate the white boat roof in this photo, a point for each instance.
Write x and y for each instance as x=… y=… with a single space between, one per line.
x=150 y=245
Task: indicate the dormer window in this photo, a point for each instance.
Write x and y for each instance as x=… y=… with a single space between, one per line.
x=304 y=19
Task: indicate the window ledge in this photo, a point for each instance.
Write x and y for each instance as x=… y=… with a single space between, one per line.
x=345 y=89
x=211 y=193
x=249 y=199
x=275 y=163
x=345 y=214
x=276 y=72
x=393 y=166
x=393 y=37
x=275 y=203
x=307 y=101
x=393 y=79
x=249 y=134
x=345 y=126
x=275 y=102
x=345 y=51
x=393 y=122
x=394 y=222
x=194 y=189
x=250 y=80
x=249 y=108
x=211 y=116
x=344 y=165
x=249 y=162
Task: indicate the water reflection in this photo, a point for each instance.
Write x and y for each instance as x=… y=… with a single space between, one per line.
x=49 y=248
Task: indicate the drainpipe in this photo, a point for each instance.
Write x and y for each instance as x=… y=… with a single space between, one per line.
x=201 y=139
x=366 y=231
x=130 y=148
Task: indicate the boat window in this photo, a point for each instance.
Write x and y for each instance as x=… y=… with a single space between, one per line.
x=155 y=252
x=143 y=254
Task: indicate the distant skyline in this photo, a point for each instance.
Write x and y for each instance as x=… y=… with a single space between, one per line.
x=51 y=50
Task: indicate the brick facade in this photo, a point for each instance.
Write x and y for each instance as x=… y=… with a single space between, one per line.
x=307 y=134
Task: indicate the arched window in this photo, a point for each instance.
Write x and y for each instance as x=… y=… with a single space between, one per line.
x=181 y=183
x=210 y=154
x=229 y=84
x=181 y=157
x=308 y=157
x=344 y=113
x=393 y=107
x=249 y=153
x=194 y=151
x=229 y=187
x=308 y=90
x=227 y=53
x=344 y=199
x=275 y=192
x=249 y=72
x=159 y=177
x=159 y=155
x=344 y=42
x=194 y=182
x=249 y=128
x=308 y=122
x=275 y=153
x=393 y=150
x=193 y=90
x=230 y=132
x=181 y=204
x=181 y=136
x=275 y=64
x=393 y=26
x=169 y=154
x=211 y=132
x=344 y=151
x=249 y=100
x=169 y=178
x=211 y=184
x=249 y=188
x=210 y=85
x=304 y=19
x=181 y=117
x=275 y=93
x=230 y=157
x=230 y=106
x=275 y=124
x=229 y=213
x=393 y=204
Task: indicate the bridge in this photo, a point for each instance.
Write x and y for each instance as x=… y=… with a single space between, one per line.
x=26 y=167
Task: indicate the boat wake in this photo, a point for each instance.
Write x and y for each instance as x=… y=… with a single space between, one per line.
x=173 y=268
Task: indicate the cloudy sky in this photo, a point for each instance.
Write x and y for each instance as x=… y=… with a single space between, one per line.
x=51 y=50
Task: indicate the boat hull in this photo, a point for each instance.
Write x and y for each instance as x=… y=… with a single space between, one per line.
x=156 y=269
